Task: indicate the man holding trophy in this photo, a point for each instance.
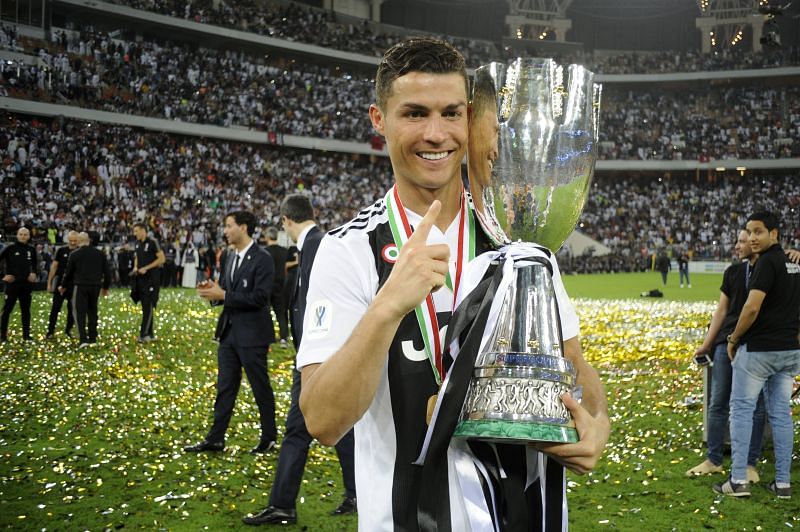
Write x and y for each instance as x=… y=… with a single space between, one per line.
x=376 y=352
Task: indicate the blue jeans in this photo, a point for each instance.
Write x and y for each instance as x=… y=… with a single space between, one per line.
x=718 y=410
x=683 y=274
x=772 y=371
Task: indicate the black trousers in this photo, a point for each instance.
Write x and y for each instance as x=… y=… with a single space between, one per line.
x=294 y=453
x=231 y=358
x=148 y=294
x=84 y=305
x=18 y=290
x=281 y=313
x=55 y=309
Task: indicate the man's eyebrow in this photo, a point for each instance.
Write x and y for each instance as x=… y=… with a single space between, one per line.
x=411 y=106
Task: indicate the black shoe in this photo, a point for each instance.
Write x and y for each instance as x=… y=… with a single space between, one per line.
x=271 y=516
x=348 y=507
x=205 y=446
x=263 y=447
x=49 y=336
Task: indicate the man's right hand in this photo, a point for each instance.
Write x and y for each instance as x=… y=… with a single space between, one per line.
x=420 y=269
x=702 y=350
x=9 y=278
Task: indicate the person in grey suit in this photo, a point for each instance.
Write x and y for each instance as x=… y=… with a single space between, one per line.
x=244 y=331
x=297 y=216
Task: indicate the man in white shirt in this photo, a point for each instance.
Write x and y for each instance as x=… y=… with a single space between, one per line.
x=364 y=358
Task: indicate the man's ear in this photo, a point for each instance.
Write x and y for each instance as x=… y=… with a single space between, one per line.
x=376 y=117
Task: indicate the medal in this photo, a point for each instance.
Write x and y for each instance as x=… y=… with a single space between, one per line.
x=426 y=311
x=431 y=406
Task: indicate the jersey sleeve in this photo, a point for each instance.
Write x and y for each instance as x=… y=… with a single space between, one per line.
x=342 y=285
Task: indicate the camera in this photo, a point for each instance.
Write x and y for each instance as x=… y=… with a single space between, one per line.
x=703 y=360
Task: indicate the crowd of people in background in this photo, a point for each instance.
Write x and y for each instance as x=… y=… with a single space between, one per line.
x=323 y=28
x=60 y=174
x=225 y=88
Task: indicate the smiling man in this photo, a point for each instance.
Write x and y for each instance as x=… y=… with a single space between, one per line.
x=765 y=354
x=369 y=360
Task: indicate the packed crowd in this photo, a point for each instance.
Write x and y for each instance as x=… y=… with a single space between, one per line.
x=173 y=81
x=315 y=26
x=295 y=22
x=200 y=85
x=639 y=216
x=705 y=124
x=59 y=175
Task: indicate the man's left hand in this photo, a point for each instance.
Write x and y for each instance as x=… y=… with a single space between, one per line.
x=32 y=278
x=211 y=291
x=593 y=433
x=732 y=351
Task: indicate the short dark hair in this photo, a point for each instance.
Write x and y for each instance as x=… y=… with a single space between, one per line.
x=420 y=54
x=244 y=218
x=297 y=207
x=140 y=224
x=272 y=233
x=769 y=219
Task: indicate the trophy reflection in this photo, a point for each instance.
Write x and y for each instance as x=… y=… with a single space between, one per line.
x=531 y=155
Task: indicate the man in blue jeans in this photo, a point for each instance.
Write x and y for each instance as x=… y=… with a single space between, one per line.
x=733 y=294
x=765 y=352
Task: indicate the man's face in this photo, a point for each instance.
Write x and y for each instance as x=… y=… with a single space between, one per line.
x=72 y=240
x=139 y=233
x=23 y=235
x=234 y=233
x=743 y=249
x=760 y=238
x=425 y=126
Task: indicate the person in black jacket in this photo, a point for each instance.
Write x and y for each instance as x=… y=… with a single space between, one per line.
x=20 y=275
x=297 y=216
x=244 y=331
x=147 y=262
x=89 y=274
x=279 y=255
x=55 y=280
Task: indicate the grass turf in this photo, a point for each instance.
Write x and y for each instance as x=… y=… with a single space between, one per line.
x=91 y=439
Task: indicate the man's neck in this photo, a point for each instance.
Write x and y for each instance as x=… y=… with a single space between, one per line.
x=245 y=242
x=752 y=259
x=302 y=226
x=419 y=199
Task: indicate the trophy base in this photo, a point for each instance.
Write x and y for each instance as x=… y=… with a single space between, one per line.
x=504 y=431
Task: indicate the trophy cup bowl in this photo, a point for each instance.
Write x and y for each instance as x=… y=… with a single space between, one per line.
x=531 y=156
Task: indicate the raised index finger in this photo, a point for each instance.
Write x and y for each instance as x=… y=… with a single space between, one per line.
x=423 y=229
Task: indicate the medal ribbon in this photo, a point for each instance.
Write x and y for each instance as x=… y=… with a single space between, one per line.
x=426 y=311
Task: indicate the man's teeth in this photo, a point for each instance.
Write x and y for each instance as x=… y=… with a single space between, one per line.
x=434 y=156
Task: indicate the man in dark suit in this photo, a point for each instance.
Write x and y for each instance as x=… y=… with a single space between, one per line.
x=279 y=254
x=89 y=275
x=244 y=331
x=297 y=216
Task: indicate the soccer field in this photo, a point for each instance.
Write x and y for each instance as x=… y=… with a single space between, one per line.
x=92 y=439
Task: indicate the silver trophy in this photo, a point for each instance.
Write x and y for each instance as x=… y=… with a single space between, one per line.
x=531 y=157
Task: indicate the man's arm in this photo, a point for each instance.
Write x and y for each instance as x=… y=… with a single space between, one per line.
x=335 y=394
x=34 y=265
x=51 y=275
x=716 y=324
x=160 y=259
x=748 y=315
x=590 y=416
